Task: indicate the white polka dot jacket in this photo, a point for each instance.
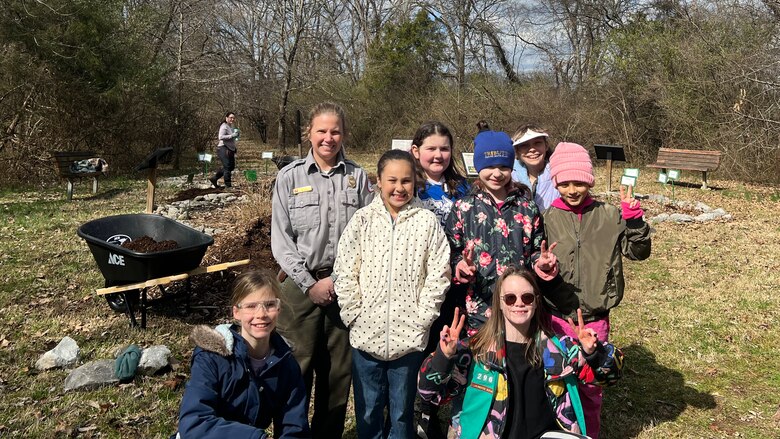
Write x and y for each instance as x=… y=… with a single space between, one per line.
x=391 y=278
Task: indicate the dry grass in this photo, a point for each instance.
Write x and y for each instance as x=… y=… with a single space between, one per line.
x=695 y=324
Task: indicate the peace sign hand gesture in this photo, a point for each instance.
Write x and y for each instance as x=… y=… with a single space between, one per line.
x=451 y=334
x=547 y=259
x=587 y=336
x=464 y=271
x=627 y=196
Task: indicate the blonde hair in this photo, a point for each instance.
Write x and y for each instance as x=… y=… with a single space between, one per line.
x=492 y=335
x=248 y=282
x=326 y=108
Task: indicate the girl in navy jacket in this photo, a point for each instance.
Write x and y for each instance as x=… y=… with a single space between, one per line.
x=243 y=376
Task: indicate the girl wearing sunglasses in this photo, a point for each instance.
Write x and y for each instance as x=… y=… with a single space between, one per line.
x=514 y=378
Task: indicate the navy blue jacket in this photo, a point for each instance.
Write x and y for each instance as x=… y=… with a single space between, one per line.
x=225 y=399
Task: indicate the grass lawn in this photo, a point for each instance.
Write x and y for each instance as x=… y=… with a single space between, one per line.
x=695 y=324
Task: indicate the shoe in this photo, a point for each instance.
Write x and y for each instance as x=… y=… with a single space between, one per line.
x=213 y=181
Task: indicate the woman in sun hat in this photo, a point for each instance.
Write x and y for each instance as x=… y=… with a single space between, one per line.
x=532 y=164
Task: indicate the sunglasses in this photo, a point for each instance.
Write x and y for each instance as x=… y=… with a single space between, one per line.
x=510 y=298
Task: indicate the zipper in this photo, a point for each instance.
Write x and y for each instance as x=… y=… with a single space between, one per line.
x=389 y=284
x=577 y=249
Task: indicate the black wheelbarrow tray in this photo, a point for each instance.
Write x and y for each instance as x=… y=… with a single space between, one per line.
x=120 y=265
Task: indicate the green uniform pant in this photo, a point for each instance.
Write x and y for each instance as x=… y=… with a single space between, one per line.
x=320 y=344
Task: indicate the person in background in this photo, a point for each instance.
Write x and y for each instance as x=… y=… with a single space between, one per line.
x=226 y=150
x=392 y=274
x=313 y=200
x=532 y=166
x=592 y=237
x=243 y=376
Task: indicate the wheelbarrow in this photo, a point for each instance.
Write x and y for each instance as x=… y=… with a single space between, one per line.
x=121 y=266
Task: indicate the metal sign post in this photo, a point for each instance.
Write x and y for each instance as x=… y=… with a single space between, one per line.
x=610 y=153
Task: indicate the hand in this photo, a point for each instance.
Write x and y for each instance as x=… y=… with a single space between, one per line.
x=464 y=271
x=451 y=334
x=547 y=259
x=587 y=336
x=322 y=293
x=627 y=196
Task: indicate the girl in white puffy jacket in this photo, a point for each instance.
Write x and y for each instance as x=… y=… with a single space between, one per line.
x=392 y=271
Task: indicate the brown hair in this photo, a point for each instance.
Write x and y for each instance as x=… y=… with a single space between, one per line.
x=529 y=126
x=248 y=282
x=452 y=175
x=492 y=335
x=326 y=108
x=511 y=186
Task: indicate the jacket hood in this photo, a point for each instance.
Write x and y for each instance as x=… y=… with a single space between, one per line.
x=225 y=340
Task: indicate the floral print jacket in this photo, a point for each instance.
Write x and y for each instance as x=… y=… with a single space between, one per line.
x=502 y=236
x=445 y=379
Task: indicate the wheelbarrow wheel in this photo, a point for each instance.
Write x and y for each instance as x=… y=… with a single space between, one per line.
x=116 y=301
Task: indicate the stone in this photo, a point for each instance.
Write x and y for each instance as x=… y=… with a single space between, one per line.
x=719 y=211
x=702 y=207
x=659 y=218
x=707 y=216
x=154 y=359
x=91 y=376
x=680 y=218
x=65 y=354
x=173 y=212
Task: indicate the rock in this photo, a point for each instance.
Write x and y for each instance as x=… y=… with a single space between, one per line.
x=230 y=199
x=65 y=354
x=91 y=375
x=173 y=212
x=199 y=198
x=153 y=359
x=719 y=211
x=659 y=218
x=702 y=207
x=680 y=218
x=708 y=216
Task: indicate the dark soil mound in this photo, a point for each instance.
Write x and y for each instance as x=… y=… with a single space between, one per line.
x=254 y=244
x=146 y=244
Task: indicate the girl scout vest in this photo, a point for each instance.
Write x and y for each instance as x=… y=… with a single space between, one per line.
x=483 y=383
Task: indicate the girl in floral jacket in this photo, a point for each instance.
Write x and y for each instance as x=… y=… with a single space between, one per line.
x=494 y=226
x=512 y=379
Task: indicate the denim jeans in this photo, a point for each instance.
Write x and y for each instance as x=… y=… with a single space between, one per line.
x=379 y=384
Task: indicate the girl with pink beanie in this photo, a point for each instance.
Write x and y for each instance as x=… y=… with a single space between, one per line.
x=592 y=237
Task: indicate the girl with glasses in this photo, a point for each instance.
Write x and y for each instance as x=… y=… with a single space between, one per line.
x=243 y=376
x=512 y=378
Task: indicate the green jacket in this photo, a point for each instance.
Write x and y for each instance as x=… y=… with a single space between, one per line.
x=589 y=253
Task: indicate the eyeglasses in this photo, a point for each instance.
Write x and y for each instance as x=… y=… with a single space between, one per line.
x=269 y=306
x=511 y=298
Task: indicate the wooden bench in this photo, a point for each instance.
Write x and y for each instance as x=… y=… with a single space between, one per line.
x=65 y=159
x=689 y=160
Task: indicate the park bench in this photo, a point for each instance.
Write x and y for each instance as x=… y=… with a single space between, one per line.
x=65 y=159
x=688 y=160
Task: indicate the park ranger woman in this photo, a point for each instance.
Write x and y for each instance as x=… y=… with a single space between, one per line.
x=313 y=200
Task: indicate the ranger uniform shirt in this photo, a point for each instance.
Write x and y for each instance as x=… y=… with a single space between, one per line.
x=310 y=210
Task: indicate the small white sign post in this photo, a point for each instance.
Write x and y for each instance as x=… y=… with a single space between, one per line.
x=402 y=144
x=205 y=158
x=630 y=177
x=266 y=156
x=468 y=163
x=669 y=177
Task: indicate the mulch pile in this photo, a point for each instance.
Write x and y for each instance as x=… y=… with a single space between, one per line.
x=147 y=244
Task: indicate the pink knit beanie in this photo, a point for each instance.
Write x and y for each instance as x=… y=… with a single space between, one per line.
x=571 y=162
